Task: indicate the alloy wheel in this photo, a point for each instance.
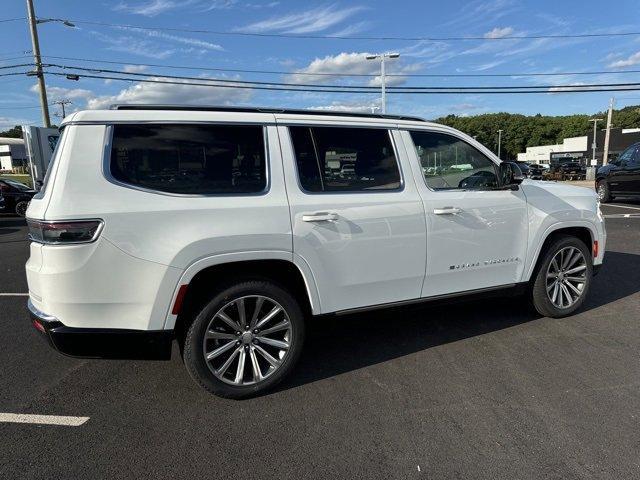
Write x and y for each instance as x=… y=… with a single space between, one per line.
x=566 y=277
x=247 y=340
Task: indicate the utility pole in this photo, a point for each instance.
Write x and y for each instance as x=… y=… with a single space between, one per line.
x=605 y=155
x=499 y=142
x=383 y=80
x=62 y=103
x=38 y=63
x=594 y=143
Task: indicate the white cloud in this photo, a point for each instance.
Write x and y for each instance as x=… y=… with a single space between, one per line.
x=163 y=93
x=309 y=21
x=349 y=63
x=499 y=32
x=59 y=93
x=354 y=106
x=134 y=68
x=135 y=46
x=629 y=62
x=192 y=42
x=150 y=8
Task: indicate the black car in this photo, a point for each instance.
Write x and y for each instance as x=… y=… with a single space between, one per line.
x=536 y=171
x=621 y=176
x=524 y=168
x=16 y=195
x=573 y=170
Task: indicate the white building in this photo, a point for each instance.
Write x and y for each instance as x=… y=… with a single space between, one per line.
x=542 y=153
x=12 y=153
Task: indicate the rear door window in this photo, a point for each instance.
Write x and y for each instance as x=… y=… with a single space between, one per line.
x=190 y=159
x=345 y=159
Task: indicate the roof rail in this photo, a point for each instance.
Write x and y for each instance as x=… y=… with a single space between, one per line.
x=213 y=108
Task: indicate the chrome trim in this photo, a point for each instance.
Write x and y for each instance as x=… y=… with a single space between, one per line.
x=75 y=220
x=39 y=314
x=106 y=160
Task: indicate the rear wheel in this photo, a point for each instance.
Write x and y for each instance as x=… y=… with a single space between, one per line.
x=604 y=194
x=245 y=340
x=563 y=278
x=21 y=207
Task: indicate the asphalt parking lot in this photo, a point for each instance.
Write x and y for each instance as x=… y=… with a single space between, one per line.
x=483 y=389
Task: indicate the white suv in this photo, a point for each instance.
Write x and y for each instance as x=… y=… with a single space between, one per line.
x=224 y=228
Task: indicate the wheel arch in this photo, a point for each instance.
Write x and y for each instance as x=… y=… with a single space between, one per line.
x=205 y=274
x=584 y=231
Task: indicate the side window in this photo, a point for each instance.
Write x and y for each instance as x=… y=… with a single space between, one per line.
x=190 y=159
x=343 y=159
x=635 y=157
x=450 y=163
x=626 y=157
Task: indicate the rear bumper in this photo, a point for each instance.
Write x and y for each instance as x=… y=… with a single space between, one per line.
x=102 y=342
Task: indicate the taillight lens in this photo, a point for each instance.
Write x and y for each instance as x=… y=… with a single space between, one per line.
x=64 y=232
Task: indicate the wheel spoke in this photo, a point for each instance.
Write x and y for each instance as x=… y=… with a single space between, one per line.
x=257 y=374
x=225 y=366
x=240 y=367
x=274 y=362
x=567 y=295
x=212 y=334
x=227 y=319
x=256 y=312
x=551 y=285
x=274 y=343
x=572 y=261
x=578 y=292
x=566 y=256
x=579 y=280
x=276 y=328
x=554 y=295
x=554 y=264
x=242 y=316
x=274 y=311
x=577 y=269
x=220 y=350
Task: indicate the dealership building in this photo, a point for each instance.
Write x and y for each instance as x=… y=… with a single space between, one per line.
x=12 y=153
x=579 y=149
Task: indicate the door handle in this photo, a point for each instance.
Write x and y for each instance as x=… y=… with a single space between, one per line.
x=320 y=217
x=447 y=211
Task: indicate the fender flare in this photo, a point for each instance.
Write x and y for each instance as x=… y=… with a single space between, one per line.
x=197 y=266
x=551 y=229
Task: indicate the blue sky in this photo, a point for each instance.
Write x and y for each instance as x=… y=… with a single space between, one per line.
x=414 y=18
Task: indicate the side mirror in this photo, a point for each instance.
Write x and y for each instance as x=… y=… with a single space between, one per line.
x=510 y=174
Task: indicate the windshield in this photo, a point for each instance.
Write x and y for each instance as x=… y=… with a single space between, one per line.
x=18 y=185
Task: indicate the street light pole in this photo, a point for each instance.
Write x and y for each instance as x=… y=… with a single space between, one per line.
x=594 y=143
x=383 y=78
x=499 y=142
x=605 y=155
x=38 y=64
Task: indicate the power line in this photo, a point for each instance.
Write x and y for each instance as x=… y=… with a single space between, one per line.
x=334 y=74
x=359 y=37
x=323 y=89
x=4 y=20
x=347 y=87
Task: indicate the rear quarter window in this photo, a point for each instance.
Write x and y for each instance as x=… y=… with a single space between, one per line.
x=190 y=159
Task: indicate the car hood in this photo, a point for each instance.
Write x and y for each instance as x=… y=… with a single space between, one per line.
x=555 y=196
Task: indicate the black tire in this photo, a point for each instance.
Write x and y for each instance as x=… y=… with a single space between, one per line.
x=21 y=207
x=539 y=297
x=194 y=356
x=604 y=194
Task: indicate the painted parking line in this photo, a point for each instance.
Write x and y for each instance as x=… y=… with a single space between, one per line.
x=620 y=206
x=14 y=294
x=623 y=215
x=42 y=419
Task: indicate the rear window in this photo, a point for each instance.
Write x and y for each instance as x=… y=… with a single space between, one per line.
x=345 y=159
x=190 y=159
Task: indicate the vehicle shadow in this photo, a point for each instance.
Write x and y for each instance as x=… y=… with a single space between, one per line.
x=9 y=222
x=340 y=344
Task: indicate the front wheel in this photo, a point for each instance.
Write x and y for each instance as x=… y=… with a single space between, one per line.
x=563 y=278
x=245 y=340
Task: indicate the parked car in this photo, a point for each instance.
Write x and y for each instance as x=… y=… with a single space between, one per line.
x=17 y=195
x=573 y=171
x=524 y=168
x=620 y=177
x=536 y=171
x=221 y=229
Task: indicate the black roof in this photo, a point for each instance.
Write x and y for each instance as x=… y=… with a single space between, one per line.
x=212 y=108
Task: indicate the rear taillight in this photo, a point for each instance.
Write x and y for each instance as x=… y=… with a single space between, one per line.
x=65 y=231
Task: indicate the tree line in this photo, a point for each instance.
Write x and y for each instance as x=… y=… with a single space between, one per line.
x=522 y=131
